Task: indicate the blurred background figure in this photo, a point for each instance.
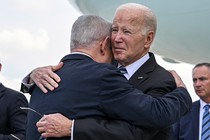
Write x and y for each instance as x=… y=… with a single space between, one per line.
x=196 y=125
x=13 y=119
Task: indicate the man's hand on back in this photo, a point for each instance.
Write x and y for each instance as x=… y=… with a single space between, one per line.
x=54 y=125
x=45 y=78
x=178 y=80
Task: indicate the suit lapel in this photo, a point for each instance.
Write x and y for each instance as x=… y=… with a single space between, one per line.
x=195 y=119
x=143 y=72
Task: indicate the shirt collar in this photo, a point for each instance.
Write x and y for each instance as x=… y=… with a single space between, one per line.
x=202 y=104
x=82 y=53
x=132 y=68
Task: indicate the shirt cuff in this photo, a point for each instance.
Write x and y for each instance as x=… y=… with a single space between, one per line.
x=25 y=81
x=72 y=129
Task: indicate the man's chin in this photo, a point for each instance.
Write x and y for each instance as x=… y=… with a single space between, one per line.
x=119 y=58
x=200 y=94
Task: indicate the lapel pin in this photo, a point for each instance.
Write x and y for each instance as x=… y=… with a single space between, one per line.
x=140 y=77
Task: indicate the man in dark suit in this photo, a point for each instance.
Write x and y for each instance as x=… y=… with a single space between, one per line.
x=131 y=43
x=106 y=93
x=133 y=31
x=13 y=119
x=190 y=126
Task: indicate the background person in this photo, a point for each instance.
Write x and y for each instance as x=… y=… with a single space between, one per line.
x=12 y=118
x=190 y=126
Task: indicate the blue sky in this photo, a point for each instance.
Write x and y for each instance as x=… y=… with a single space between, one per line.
x=35 y=33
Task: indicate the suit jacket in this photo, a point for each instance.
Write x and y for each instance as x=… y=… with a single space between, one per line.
x=152 y=79
x=156 y=82
x=13 y=119
x=188 y=126
x=90 y=89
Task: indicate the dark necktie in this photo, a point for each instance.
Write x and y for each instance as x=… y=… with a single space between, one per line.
x=205 y=134
x=122 y=70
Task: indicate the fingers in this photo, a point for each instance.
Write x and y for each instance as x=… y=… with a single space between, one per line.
x=57 y=67
x=178 y=79
x=43 y=127
x=54 y=125
x=47 y=135
x=42 y=79
x=173 y=73
x=45 y=78
x=43 y=88
x=55 y=76
x=40 y=126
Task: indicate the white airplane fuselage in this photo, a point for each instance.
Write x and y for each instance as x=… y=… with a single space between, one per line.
x=183 y=26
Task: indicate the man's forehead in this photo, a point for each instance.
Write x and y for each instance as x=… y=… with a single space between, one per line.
x=201 y=69
x=201 y=74
x=127 y=21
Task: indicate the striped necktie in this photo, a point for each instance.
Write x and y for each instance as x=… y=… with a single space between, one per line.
x=122 y=70
x=205 y=135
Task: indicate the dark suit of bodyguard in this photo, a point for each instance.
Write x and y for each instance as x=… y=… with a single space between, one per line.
x=188 y=126
x=12 y=118
x=92 y=89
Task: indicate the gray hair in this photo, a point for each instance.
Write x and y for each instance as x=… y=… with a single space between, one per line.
x=149 y=18
x=88 y=29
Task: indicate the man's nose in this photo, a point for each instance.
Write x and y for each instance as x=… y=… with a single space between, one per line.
x=197 y=83
x=118 y=36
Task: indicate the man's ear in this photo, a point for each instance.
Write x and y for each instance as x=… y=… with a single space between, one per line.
x=105 y=43
x=149 y=39
x=0 y=66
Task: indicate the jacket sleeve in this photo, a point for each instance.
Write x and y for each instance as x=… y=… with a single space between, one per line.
x=95 y=128
x=17 y=118
x=25 y=87
x=145 y=111
x=120 y=100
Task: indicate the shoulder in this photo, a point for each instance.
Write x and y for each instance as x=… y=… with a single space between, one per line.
x=196 y=104
x=108 y=72
x=13 y=95
x=99 y=67
x=13 y=99
x=160 y=73
x=155 y=69
x=108 y=66
x=162 y=79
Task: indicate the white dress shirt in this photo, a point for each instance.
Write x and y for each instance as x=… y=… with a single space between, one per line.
x=132 y=68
